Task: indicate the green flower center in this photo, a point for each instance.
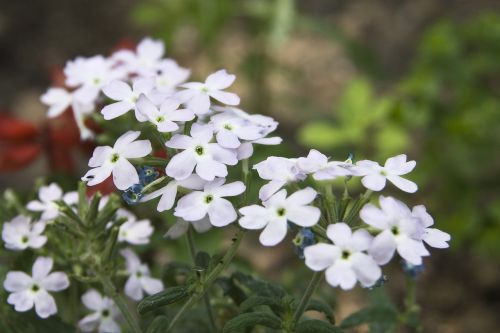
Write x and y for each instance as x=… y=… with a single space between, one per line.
x=281 y=212
x=199 y=150
x=209 y=198
x=160 y=119
x=228 y=127
x=345 y=254
x=105 y=313
x=35 y=288
x=395 y=231
x=114 y=158
x=138 y=274
x=24 y=239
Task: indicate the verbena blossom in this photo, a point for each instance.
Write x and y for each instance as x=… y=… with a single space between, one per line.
x=108 y=160
x=375 y=176
x=48 y=195
x=318 y=165
x=277 y=211
x=146 y=59
x=135 y=232
x=230 y=129
x=398 y=230
x=197 y=204
x=104 y=316
x=28 y=291
x=126 y=97
x=20 y=233
x=197 y=94
x=431 y=236
x=279 y=171
x=210 y=159
x=170 y=76
x=139 y=280
x=181 y=227
x=346 y=260
x=166 y=116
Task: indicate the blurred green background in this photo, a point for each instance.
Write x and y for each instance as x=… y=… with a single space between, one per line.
x=372 y=78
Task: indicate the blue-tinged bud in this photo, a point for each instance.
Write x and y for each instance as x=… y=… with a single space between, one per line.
x=133 y=194
x=380 y=282
x=147 y=174
x=412 y=270
x=303 y=239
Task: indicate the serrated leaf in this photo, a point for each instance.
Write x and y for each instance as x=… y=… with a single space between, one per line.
x=158 y=325
x=323 y=307
x=253 y=301
x=370 y=315
x=165 y=297
x=316 y=326
x=251 y=319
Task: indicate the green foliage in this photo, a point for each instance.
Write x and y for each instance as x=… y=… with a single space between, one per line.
x=158 y=325
x=316 y=326
x=168 y=296
x=373 y=314
x=323 y=307
x=244 y=321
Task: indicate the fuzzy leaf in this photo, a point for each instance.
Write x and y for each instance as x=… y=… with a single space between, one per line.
x=159 y=325
x=168 y=296
x=323 y=307
x=370 y=315
x=253 y=301
x=316 y=326
x=251 y=319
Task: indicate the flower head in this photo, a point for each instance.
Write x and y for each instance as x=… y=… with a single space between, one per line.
x=146 y=59
x=197 y=204
x=166 y=117
x=135 y=232
x=28 y=291
x=230 y=129
x=20 y=233
x=104 y=315
x=48 y=195
x=139 y=280
x=276 y=211
x=318 y=165
x=108 y=160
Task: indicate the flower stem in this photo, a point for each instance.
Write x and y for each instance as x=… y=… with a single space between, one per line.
x=112 y=292
x=206 y=299
x=313 y=284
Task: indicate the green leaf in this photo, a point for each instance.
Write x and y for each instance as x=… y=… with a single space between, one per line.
x=253 y=301
x=158 y=325
x=323 y=307
x=202 y=261
x=168 y=296
x=372 y=314
x=251 y=319
x=316 y=326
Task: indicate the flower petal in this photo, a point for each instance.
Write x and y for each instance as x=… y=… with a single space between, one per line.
x=41 y=268
x=124 y=174
x=55 y=281
x=181 y=165
x=17 y=281
x=274 y=232
x=220 y=79
x=320 y=256
x=221 y=212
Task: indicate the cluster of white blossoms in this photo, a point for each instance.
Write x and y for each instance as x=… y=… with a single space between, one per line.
x=203 y=135
x=22 y=232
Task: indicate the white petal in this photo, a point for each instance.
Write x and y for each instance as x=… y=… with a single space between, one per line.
x=97 y=175
x=151 y=286
x=89 y=323
x=403 y=184
x=191 y=207
x=374 y=216
x=225 y=97
x=114 y=110
x=100 y=155
x=270 y=188
x=56 y=281
x=133 y=288
x=361 y=240
x=274 y=232
x=245 y=150
x=220 y=79
x=124 y=174
x=383 y=247
x=181 y=115
x=301 y=197
x=181 y=165
x=50 y=193
x=22 y=300
x=199 y=104
x=109 y=325
x=221 y=212
x=230 y=190
x=228 y=139
x=17 y=281
x=398 y=165
x=374 y=182
x=409 y=250
x=320 y=256
x=180 y=141
x=202 y=133
x=366 y=269
x=146 y=107
x=125 y=139
x=254 y=217
x=339 y=233
x=208 y=169
x=41 y=268
x=137 y=149
x=117 y=90
x=92 y=299
x=45 y=305
x=133 y=261
x=305 y=216
x=341 y=274
x=436 y=238
x=178 y=229
x=223 y=155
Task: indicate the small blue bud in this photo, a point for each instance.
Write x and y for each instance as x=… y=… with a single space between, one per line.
x=380 y=282
x=303 y=239
x=147 y=174
x=412 y=270
x=133 y=194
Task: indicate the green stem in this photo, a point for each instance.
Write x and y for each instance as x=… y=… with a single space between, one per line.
x=313 y=284
x=111 y=291
x=411 y=315
x=206 y=299
x=211 y=277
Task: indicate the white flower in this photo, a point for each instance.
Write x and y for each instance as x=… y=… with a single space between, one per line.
x=135 y=232
x=230 y=129
x=197 y=95
x=48 y=195
x=210 y=159
x=375 y=175
x=140 y=280
x=104 y=315
x=126 y=97
x=181 y=227
x=20 y=233
x=399 y=230
x=170 y=76
x=90 y=75
x=27 y=291
x=166 y=116
x=322 y=169
x=108 y=160
x=345 y=261
x=432 y=236
x=277 y=211
x=145 y=61
x=197 y=204
x=279 y=171
x=168 y=193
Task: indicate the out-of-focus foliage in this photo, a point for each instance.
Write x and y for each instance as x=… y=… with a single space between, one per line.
x=446 y=112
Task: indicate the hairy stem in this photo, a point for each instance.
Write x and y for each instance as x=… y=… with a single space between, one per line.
x=313 y=284
x=111 y=291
